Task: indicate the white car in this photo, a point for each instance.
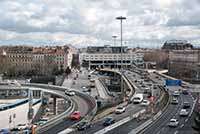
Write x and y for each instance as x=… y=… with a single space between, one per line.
x=70 y=93
x=183 y=112
x=120 y=110
x=22 y=126
x=145 y=103
x=173 y=123
x=176 y=93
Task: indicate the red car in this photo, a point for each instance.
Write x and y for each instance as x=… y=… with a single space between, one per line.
x=75 y=116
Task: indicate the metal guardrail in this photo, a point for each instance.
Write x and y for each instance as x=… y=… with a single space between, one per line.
x=131 y=94
x=105 y=87
x=128 y=82
x=57 y=119
x=92 y=102
x=119 y=123
x=147 y=123
x=90 y=115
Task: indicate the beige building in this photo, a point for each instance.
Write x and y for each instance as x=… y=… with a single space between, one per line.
x=37 y=60
x=108 y=56
x=185 y=64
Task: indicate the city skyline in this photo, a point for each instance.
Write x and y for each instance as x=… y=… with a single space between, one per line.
x=87 y=22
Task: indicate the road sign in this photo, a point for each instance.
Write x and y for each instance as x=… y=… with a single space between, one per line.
x=173 y=82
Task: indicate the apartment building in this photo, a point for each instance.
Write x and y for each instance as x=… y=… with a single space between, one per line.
x=34 y=60
x=185 y=64
x=107 y=56
x=177 y=45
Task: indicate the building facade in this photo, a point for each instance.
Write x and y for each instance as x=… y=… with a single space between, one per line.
x=106 y=56
x=177 y=45
x=37 y=60
x=185 y=64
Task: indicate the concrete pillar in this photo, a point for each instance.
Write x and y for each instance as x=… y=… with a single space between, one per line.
x=54 y=105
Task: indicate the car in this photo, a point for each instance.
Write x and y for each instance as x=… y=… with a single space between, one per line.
x=108 y=121
x=147 y=90
x=145 y=103
x=75 y=115
x=176 y=93
x=138 y=98
x=41 y=123
x=174 y=101
x=83 y=125
x=120 y=110
x=184 y=91
x=5 y=131
x=183 y=112
x=70 y=93
x=173 y=123
x=86 y=90
x=21 y=126
x=186 y=105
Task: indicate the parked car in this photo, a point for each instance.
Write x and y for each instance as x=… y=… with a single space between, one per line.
x=173 y=123
x=145 y=103
x=120 y=110
x=186 y=105
x=108 y=121
x=83 y=125
x=174 y=101
x=70 y=93
x=183 y=112
x=76 y=115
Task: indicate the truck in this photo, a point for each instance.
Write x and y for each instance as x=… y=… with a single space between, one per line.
x=138 y=98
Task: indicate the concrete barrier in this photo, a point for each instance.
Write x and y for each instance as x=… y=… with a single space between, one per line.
x=57 y=119
x=149 y=122
x=119 y=123
x=90 y=100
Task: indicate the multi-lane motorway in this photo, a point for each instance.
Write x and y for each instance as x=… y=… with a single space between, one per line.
x=161 y=125
x=130 y=110
x=81 y=105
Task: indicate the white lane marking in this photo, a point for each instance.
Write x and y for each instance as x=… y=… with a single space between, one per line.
x=158 y=132
x=182 y=126
x=186 y=120
x=162 y=129
x=176 y=132
x=66 y=131
x=192 y=108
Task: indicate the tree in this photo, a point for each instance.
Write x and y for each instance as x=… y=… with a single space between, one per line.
x=75 y=61
x=67 y=71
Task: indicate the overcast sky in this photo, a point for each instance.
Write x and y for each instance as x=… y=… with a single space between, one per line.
x=92 y=22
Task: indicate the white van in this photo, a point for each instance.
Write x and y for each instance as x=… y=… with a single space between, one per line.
x=138 y=98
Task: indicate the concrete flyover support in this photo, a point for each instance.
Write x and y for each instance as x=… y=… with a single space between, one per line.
x=126 y=83
x=59 y=91
x=54 y=105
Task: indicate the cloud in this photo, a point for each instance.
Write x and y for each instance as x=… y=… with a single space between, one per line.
x=93 y=22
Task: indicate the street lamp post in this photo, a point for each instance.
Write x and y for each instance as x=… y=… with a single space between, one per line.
x=114 y=43
x=121 y=18
x=114 y=39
